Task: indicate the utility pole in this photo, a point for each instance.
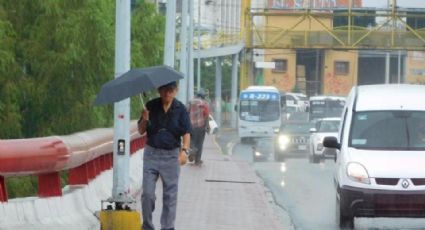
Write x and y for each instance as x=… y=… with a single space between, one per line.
x=121 y=157
x=114 y=215
x=198 y=76
x=170 y=24
x=190 y=40
x=182 y=93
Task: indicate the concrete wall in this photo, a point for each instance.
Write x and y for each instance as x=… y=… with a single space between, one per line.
x=282 y=80
x=75 y=209
x=340 y=85
x=415 y=62
x=286 y=80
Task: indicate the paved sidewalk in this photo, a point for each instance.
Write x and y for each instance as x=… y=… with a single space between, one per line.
x=222 y=194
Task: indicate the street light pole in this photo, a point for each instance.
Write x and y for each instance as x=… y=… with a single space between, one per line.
x=113 y=214
x=182 y=93
x=121 y=145
x=170 y=24
x=198 y=76
x=190 y=46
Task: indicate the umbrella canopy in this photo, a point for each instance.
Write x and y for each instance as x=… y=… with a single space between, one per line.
x=136 y=81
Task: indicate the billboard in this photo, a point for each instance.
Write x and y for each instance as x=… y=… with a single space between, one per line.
x=291 y=4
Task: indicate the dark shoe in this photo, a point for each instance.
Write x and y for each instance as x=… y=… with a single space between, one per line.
x=199 y=162
x=191 y=158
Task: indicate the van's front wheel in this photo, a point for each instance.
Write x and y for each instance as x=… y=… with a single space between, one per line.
x=344 y=219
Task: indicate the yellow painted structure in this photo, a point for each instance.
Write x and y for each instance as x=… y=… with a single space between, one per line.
x=120 y=220
x=299 y=26
x=287 y=30
x=339 y=85
x=245 y=26
x=324 y=36
x=286 y=80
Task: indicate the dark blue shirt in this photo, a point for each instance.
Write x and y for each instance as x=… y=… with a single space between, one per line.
x=165 y=129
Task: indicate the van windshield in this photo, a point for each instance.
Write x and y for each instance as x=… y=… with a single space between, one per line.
x=395 y=130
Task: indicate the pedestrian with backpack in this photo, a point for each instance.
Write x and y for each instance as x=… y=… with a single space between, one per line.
x=198 y=109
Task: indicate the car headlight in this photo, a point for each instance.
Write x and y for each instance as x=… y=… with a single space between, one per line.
x=283 y=141
x=358 y=173
x=257 y=154
x=276 y=130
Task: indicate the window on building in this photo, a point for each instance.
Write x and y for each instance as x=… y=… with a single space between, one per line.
x=281 y=65
x=415 y=22
x=358 y=21
x=342 y=67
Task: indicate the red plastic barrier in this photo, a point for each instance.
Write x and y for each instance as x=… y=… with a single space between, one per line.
x=3 y=192
x=84 y=154
x=32 y=156
x=49 y=185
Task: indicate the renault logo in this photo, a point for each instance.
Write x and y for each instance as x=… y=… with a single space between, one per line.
x=405 y=183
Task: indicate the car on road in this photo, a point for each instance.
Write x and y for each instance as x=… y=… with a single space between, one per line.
x=380 y=158
x=292 y=140
x=262 y=150
x=323 y=127
x=325 y=106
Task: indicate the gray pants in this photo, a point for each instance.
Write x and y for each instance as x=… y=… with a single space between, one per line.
x=197 y=138
x=163 y=163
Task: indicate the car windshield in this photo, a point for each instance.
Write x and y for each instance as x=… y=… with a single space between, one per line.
x=401 y=130
x=328 y=126
x=264 y=144
x=290 y=109
x=326 y=108
x=296 y=128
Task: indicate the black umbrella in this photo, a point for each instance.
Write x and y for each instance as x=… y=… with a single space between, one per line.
x=136 y=81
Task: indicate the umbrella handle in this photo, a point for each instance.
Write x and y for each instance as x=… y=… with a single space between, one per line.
x=141 y=100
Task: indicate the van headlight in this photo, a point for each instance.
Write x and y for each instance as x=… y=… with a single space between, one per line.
x=283 y=141
x=358 y=173
x=276 y=129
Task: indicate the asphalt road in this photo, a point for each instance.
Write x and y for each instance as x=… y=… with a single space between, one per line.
x=305 y=191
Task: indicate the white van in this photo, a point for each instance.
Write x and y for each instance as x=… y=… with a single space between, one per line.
x=380 y=157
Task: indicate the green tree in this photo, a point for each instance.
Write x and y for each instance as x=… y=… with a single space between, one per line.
x=54 y=57
x=147 y=46
x=208 y=76
x=10 y=117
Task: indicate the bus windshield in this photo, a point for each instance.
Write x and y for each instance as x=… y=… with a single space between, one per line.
x=259 y=110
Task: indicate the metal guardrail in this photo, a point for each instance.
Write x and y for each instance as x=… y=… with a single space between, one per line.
x=272 y=38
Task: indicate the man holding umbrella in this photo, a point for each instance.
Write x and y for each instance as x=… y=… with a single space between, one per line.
x=167 y=124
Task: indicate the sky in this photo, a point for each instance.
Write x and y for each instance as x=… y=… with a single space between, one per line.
x=401 y=3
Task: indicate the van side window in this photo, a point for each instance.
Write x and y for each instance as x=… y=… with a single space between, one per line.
x=342 y=127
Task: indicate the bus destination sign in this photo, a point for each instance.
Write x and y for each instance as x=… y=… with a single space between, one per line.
x=260 y=96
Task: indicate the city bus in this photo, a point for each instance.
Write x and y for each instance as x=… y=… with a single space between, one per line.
x=325 y=106
x=259 y=112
